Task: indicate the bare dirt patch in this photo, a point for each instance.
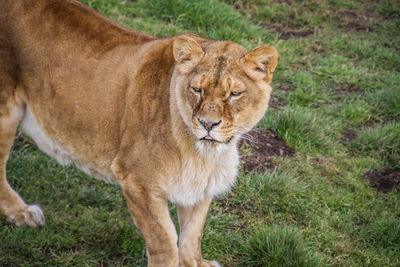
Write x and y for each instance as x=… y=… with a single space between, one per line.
x=276 y=102
x=357 y=20
x=342 y=90
x=290 y=33
x=258 y=152
x=348 y=88
x=356 y=26
x=385 y=180
x=285 y=86
x=349 y=136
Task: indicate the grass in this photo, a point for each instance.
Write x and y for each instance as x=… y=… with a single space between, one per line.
x=338 y=71
x=300 y=128
x=277 y=246
x=381 y=142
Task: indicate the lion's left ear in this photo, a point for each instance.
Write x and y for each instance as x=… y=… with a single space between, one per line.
x=187 y=53
x=262 y=61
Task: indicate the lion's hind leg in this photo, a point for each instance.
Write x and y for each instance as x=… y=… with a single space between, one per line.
x=11 y=204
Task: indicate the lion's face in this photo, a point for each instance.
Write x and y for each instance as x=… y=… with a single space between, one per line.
x=222 y=90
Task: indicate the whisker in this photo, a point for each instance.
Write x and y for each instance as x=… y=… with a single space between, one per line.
x=249 y=137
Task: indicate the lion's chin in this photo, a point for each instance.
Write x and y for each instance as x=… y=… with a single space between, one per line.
x=208 y=148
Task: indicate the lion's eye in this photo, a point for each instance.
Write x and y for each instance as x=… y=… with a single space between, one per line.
x=235 y=94
x=196 y=90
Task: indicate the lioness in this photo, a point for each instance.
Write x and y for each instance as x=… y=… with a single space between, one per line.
x=160 y=117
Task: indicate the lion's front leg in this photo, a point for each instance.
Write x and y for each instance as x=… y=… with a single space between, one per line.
x=11 y=204
x=151 y=215
x=191 y=221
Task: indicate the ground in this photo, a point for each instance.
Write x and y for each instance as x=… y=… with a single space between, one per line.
x=319 y=183
x=385 y=180
x=258 y=148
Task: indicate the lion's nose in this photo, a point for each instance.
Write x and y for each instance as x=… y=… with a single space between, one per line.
x=209 y=124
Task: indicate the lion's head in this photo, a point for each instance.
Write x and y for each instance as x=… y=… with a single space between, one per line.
x=221 y=89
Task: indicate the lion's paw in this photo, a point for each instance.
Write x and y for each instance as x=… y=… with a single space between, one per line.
x=31 y=216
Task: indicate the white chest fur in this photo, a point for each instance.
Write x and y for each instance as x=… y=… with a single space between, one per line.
x=206 y=175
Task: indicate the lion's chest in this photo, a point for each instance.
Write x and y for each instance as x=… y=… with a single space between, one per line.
x=200 y=178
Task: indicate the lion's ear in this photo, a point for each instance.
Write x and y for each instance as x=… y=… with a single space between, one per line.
x=262 y=61
x=187 y=53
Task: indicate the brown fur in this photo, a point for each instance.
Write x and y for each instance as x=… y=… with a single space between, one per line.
x=161 y=117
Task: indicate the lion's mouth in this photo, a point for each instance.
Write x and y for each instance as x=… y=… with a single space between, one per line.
x=209 y=138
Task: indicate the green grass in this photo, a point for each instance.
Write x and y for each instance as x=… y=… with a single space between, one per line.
x=277 y=246
x=300 y=128
x=381 y=143
x=339 y=70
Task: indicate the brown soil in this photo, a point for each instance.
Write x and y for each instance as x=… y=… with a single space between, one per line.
x=256 y=155
x=384 y=181
x=285 y=86
x=290 y=33
x=348 y=136
x=356 y=26
x=276 y=102
x=349 y=88
x=357 y=20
